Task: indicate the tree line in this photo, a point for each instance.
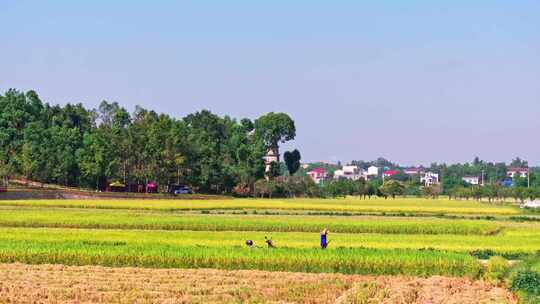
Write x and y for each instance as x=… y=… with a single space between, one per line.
x=75 y=146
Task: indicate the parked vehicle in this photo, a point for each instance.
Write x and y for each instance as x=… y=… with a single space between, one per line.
x=3 y=184
x=151 y=187
x=117 y=187
x=180 y=189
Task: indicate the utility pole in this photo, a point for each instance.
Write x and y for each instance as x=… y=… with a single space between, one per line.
x=483 y=180
x=528 y=178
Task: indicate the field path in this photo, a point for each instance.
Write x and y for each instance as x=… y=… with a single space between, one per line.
x=92 y=284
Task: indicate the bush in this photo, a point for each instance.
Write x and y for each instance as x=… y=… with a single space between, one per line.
x=497 y=268
x=482 y=254
x=527 y=281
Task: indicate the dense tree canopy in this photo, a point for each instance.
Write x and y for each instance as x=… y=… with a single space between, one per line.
x=75 y=146
x=274 y=128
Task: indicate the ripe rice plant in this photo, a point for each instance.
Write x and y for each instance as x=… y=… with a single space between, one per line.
x=348 y=261
x=166 y=234
x=406 y=205
x=507 y=243
x=122 y=219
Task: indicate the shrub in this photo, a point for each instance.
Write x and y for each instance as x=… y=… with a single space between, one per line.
x=497 y=268
x=482 y=254
x=527 y=281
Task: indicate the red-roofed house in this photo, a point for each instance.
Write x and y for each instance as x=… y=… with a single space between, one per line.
x=318 y=175
x=523 y=172
x=390 y=173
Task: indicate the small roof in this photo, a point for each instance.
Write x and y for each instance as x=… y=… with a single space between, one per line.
x=414 y=169
x=318 y=170
x=518 y=169
x=391 y=172
x=271 y=152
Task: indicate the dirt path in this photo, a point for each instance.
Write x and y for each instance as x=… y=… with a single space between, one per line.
x=21 y=283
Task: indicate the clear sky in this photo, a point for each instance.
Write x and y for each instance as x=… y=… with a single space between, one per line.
x=413 y=81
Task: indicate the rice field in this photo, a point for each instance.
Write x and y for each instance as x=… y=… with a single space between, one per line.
x=347 y=261
x=94 y=284
x=414 y=241
x=375 y=205
x=129 y=219
x=508 y=242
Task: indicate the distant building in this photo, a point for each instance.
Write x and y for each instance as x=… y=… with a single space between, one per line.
x=318 y=175
x=522 y=172
x=471 y=180
x=373 y=171
x=349 y=172
x=413 y=170
x=271 y=156
x=430 y=179
x=390 y=173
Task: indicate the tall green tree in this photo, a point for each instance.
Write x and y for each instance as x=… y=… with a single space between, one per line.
x=292 y=160
x=274 y=128
x=392 y=188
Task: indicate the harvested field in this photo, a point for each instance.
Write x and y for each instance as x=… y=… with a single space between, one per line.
x=91 y=284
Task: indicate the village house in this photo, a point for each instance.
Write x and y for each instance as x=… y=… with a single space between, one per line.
x=430 y=179
x=318 y=175
x=390 y=173
x=413 y=170
x=471 y=180
x=349 y=172
x=372 y=171
x=271 y=156
x=522 y=172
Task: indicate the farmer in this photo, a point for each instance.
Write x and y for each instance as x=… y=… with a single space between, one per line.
x=269 y=242
x=324 y=235
x=249 y=243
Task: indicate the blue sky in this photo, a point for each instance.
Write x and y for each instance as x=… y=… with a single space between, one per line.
x=413 y=81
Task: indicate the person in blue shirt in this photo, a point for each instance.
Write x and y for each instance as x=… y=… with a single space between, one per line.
x=324 y=238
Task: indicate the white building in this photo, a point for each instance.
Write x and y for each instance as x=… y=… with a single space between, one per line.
x=349 y=172
x=523 y=172
x=271 y=156
x=430 y=179
x=413 y=170
x=472 y=180
x=373 y=171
